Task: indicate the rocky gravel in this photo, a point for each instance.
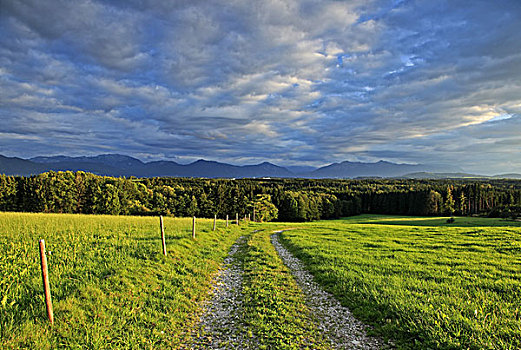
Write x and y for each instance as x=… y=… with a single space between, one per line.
x=220 y=324
x=334 y=320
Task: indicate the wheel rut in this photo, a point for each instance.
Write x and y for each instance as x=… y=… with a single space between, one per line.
x=220 y=326
x=336 y=321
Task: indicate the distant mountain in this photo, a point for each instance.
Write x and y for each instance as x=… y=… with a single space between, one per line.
x=18 y=166
x=113 y=161
x=507 y=176
x=54 y=159
x=121 y=165
x=300 y=169
x=162 y=168
x=267 y=170
x=107 y=164
x=363 y=170
x=204 y=168
x=429 y=175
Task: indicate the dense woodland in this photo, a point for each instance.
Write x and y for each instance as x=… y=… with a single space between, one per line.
x=282 y=199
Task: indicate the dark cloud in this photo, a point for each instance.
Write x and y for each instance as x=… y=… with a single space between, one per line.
x=294 y=82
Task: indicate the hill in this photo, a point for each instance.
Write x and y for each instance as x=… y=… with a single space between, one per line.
x=122 y=165
x=379 y=169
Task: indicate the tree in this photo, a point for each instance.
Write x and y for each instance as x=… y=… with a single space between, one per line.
x=108 y=200
x=430 y=203
x=303 y=207
x=105 y=199
x=191 y=206
x=288 y=206
x=462 y=203
x=159 y=203
x=265 y=210
x=449 y=204
x=7 y=193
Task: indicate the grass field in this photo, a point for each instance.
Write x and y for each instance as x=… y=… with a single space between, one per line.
x=420 y=281
x=110 y=283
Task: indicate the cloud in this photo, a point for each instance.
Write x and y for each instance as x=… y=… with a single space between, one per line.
x=288 y=81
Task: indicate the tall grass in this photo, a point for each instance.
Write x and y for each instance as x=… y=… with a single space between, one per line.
x=425 y=286
x=111 y=285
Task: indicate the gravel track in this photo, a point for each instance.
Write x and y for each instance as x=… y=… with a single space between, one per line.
x=221 y=322
x=336 y=321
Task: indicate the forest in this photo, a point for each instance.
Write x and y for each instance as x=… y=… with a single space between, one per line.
x=274 y=199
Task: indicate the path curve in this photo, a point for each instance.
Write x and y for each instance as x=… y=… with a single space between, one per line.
x=336 y=321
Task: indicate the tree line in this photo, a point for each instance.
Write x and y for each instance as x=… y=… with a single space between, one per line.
x=282 y=199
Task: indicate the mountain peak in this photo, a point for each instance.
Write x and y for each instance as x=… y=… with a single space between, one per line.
x=204 y=161
x=122 y=165
x=268 y=165
x=381 y=168
x=113 y=156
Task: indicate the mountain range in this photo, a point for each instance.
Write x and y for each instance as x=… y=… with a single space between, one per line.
x=122 y=165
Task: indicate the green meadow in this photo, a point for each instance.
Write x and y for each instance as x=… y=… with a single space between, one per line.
x=420 y=281
x=111 y=285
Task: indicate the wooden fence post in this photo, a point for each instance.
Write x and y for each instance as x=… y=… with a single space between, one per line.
x=193 y=227
x=226 y=220
x=254 y=213
x=45 y=278
x=214 y=221
x=162 y=234
x=237 y=218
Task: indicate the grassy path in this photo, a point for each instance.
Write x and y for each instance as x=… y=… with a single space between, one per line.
x=220 y=326
x=334 y=320
x=274 y=308
x=256 y=303
x=263 y=299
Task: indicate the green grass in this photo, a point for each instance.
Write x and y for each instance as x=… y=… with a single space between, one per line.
x=275 y=312
x=432 y=221
x=420 y=281
x=111 y=286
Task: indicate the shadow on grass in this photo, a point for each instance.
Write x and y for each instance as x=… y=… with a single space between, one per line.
x=431 y=221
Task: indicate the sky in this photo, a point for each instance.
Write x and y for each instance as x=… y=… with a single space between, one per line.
x=289 y=82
